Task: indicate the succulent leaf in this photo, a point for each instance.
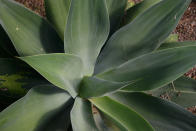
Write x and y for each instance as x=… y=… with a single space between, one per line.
x=62 y=70
x=172 y=38
x=40 y=106
x=57 y=13
x=82 y=116
x=182 y=91
x=136 y=10
x=116 y=12
x=87 y=30
x=143 y=35
x=122 y=114
x=96 y=87
x=31 y=34
x=162 y=115
x=103 y=80
x=177 y=44
x=143 y=70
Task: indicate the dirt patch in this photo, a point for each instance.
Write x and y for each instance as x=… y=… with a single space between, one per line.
x=35 y=5
x=192 y=109
x=186 y=28
x=191 y=73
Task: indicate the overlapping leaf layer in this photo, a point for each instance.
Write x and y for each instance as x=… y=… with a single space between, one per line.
x=90 y=67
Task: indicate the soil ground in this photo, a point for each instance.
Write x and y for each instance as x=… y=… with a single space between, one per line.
x=192 y=109
x=186 y=28
x=35 y=5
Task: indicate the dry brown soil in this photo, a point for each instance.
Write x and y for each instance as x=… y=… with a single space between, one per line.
x=187 y=26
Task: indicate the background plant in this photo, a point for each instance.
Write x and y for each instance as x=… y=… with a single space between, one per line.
x=97 y=75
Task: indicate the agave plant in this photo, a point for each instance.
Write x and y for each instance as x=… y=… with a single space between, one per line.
x=100 y=77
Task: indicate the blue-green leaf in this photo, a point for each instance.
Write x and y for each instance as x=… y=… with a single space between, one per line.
x=87 y=30
x=123 y=115
x=116 y=10
x=176 y=44
x=82 y=116
x=162 y=115
x=36 y=110
x=31 y=34
x=182 y=91
x=143 y=35
x=63 y=70
x=57 y=13
x=153 y=70
x=136 y=10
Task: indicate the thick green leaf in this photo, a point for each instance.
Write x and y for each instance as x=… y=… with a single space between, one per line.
x=172 y=38
x=176 y=44
x=181 y=84
x=106 y=123
x=116 y=10
x=16 y=78
x=63 y=70
x=139 y=74
x=31 y=34
x=87 y=30
x=6 y=47
x=101 y=125
x=82 y=116
x=130 y=4
x=153 y=70
x=185 y=84
x=94 y=87
x=136 y=10
x=143 y=35
x=57 y=13
x=163 y=115
x=60 y=122
x=37 y=110
x=122 y=114
x=184 y=98
x=182 y=91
